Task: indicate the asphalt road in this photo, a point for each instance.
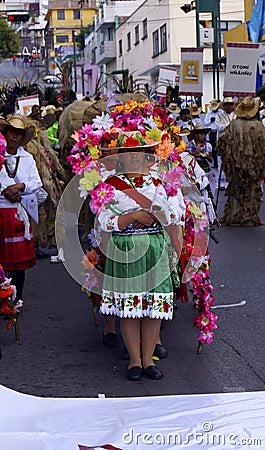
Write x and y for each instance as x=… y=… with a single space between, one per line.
x=10 y=72
x=60 y=351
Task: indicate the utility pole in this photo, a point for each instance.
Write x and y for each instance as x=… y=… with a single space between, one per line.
x=75 y=76
x=213 y=7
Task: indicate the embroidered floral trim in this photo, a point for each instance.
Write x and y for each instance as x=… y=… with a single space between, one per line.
x=154 y=305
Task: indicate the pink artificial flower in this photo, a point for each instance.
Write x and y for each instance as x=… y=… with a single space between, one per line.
x=172 y=180
x=79 y=162
x=103 y=194
x=206 y=337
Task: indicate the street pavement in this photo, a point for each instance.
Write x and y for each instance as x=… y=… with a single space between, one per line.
x=60 y=351
x=8 y=72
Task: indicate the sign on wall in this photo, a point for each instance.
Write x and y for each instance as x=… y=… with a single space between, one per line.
x=191 y=71
x=241 y=69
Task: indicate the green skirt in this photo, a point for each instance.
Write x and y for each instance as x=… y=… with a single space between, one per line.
x=137 y=281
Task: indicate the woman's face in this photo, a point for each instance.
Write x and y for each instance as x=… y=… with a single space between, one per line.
x=133 y=162
x=14 y=137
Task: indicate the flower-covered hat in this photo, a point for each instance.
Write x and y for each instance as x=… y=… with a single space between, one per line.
x=16 y=121
x=129 y=140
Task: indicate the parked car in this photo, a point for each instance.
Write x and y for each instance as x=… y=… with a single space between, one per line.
x=53 y=79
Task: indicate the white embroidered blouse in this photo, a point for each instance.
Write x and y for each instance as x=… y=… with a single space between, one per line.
x=173 y=207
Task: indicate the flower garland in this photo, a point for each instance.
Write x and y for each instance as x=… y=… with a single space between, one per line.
x=2 y=150
x=9 y=306
x=196 y=224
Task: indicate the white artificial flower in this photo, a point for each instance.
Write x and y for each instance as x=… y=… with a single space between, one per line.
x=102 y=122
x=150 y=122
x=83 y=192
x=18 y=305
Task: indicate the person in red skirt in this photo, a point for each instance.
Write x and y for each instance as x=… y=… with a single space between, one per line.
x=19 y=182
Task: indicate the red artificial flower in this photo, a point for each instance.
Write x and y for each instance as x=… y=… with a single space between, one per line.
x=131 y=142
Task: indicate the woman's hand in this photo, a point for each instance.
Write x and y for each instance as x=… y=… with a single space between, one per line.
x=12 y=192
x=142 y=217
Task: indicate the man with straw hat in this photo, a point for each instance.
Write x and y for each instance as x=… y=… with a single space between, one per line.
x=195 y=112
x=244 y=164
x=174 y=111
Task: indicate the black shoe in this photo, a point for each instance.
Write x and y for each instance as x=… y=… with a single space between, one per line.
x=160 y=351
x=124 y=354
x=41 y=255
x=110 y=340
x=134 y=373
x=153 y=373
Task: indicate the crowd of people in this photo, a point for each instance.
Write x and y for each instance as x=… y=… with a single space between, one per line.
x=145 y=173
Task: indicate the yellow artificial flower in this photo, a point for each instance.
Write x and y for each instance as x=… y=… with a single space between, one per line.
x=175 y=129
x=154 y=134
x=91 y=180
x=195 y=211
x=94 y=152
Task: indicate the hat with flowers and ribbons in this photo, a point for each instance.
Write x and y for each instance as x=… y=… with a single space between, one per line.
x=130 y=140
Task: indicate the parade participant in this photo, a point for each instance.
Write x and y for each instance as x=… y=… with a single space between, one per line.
x=243 y=160
x=195 y=112
x=53 y=131
x=35 y=113
x=19 y=182
x=225 y=116
x=128 y=293
x=170 y=155
x=200 y=148
x=174 y=111
x=210 y=122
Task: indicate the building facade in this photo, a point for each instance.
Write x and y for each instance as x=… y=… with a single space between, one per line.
x=155 y=33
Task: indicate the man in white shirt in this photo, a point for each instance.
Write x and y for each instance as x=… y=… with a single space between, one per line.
x=210 y=122
x=225 y=116
x=222 y=122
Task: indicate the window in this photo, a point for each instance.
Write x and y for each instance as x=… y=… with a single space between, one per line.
x=62 y=39
x=128 y=41
x=145 y=28
x=60 y=14
x=120 y=47
x=163 y=38
x=77 y=14
x=155 y=43
x=136 y=35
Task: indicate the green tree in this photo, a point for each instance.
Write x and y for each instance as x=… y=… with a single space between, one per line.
x=9 y=40
x=84 y=32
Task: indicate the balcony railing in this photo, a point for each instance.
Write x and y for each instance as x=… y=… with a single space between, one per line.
x=105 y=52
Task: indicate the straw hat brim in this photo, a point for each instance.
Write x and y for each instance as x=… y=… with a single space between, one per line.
x=241 y=112
x=200 y=130
x=196 y=112
x=14 y=122
x=214 y=108
x=184 y=132
x=174 y=110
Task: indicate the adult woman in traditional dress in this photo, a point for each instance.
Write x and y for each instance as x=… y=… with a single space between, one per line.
x=19 y=182
x=137 y=285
